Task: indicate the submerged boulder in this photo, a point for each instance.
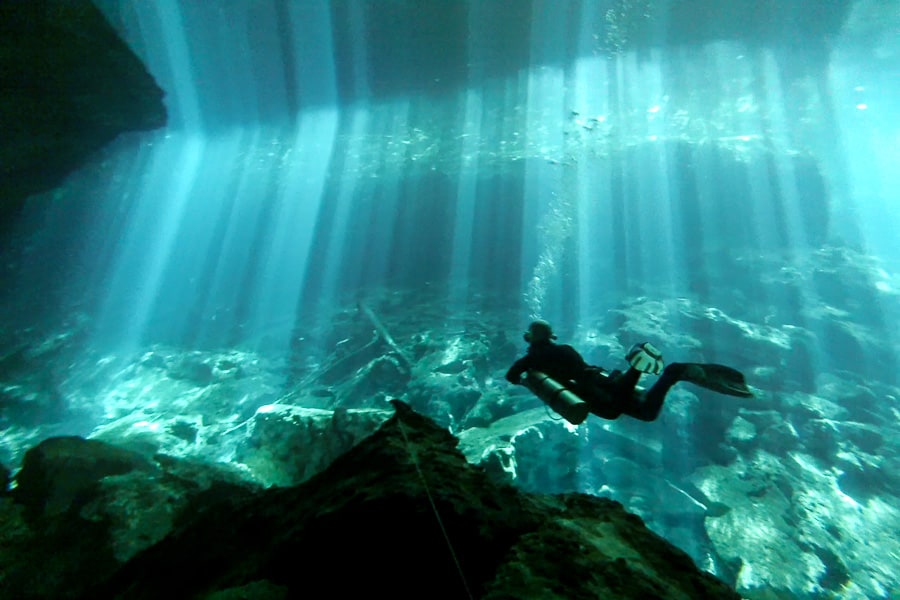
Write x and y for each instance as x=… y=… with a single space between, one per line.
x=59 y=473
x=795 y=525
x=405 y=501
x=81 y=508
x=286 y=444
x=401 y=511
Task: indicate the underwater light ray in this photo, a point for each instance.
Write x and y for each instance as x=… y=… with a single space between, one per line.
x=592 y=248
x=184 y=108
x=150 y=240
x=619 y=190
x=545 y=216
x=710 y=201
x=283 y=267
x=69 y=272
x=184 y=291
x=546 y=201
x=862 y=215
x=302 y=168
x=663 y=250
x=648 y=237
x=108 y=220
x=378 y=250
x=247 y=234
x=590 y=100
x=768 y=219
x=470 y=128
x=475 y=129
x=780 y=215
x=863 y=174
x=349 y=183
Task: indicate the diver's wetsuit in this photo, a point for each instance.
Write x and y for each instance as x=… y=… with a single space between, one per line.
x=609 y=395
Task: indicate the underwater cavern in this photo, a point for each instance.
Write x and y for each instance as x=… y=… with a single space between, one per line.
x=266 y=265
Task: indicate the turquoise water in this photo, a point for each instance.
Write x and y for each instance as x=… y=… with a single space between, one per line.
x=337 y=175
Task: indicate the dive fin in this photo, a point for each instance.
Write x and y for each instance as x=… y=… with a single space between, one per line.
x=645 y=358
x=717 y=378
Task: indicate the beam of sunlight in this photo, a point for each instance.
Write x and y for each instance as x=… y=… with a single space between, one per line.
x=346 y=189
x=547 y=202
x=150 y=243
x=869 y=150
x=463 y=222
x=350 y=248
x=282 y=270
x=379 y=210
x=590 y=106
x=173 y=46
x=179 y=314
x=242 y=223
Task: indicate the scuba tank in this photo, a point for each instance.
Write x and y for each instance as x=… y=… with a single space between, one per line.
x=562 y=400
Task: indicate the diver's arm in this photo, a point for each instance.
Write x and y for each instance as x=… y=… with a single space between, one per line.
x=514 y=375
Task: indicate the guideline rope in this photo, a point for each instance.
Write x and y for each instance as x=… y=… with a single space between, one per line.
x=437 y=514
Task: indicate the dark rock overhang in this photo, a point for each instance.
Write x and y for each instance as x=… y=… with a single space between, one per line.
x=68 y=86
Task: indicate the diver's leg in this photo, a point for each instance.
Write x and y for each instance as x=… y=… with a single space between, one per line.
x=601 y=393
x=625 y=383
x=646 y=405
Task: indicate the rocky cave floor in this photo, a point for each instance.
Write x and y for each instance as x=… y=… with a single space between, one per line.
x=791 y=494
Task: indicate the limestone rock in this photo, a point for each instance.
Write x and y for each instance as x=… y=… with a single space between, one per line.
x=382 y=378
x=288 y=444
x=780 y=438
x=59 y=472
x=404 y=501
x=741 y=433
x=92 y=506
x=781 y=524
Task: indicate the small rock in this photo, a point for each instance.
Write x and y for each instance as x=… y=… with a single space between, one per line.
x=741 y=433
x=191 y=368
x=779 y=439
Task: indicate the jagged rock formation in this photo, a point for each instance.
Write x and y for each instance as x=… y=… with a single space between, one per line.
x=401 y=513
x=68 y=86
x=81 y=508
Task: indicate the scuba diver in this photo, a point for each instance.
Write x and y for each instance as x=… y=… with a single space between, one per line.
x=559 y=376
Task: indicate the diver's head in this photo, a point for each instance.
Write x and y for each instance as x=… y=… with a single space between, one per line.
x=539 y=331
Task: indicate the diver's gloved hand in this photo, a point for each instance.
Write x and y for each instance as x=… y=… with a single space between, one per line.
x=645 y=358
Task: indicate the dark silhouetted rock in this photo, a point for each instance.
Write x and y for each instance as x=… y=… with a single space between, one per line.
x=59 y=473
x=404 y=513
x=68 y=85
x=82 y=508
